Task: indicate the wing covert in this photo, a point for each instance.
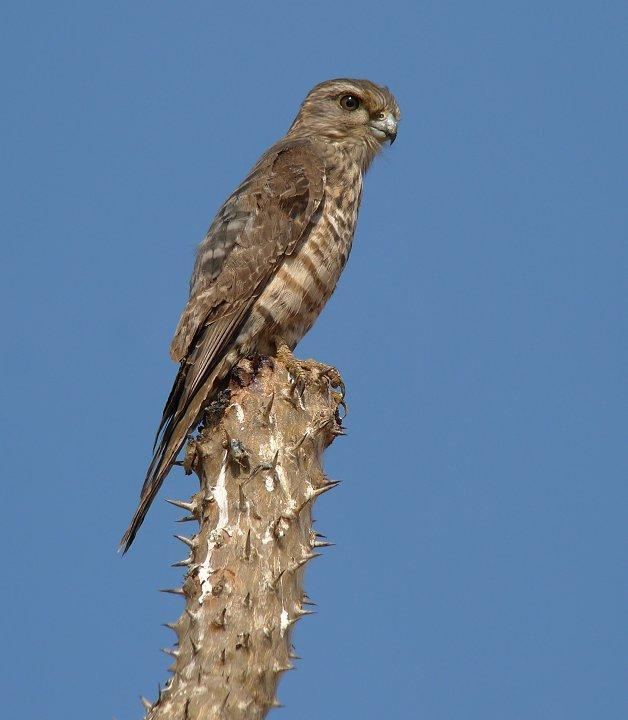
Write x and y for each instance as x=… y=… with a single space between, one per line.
x=257 y=226
x=262 y=221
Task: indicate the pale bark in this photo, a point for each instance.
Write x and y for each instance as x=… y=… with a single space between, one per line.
x=258 y=459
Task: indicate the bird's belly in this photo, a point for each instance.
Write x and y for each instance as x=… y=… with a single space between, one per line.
x=297 y=293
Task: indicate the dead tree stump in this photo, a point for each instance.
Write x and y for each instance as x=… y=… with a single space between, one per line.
x=258 y=459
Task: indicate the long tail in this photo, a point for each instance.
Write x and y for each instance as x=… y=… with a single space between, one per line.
x=158 y=469
x=175 y=431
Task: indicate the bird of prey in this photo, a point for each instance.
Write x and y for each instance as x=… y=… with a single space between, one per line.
x=273 y=254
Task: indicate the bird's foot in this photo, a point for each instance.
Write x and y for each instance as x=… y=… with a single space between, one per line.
x=300 y=370
x=296 y=368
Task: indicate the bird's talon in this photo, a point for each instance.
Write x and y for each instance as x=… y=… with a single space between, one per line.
x=340 y=403
x=335 y=380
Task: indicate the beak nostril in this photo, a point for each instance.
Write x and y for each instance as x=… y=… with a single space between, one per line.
x=384 y=126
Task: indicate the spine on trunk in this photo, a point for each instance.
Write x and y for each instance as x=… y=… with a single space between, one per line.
x=258 y=458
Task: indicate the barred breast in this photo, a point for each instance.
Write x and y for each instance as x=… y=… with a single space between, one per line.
x=296 y=295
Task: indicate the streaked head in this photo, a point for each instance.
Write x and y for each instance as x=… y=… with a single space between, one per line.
x=355 y=111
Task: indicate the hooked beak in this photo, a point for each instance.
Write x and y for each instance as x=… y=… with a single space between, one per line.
x=385 y=128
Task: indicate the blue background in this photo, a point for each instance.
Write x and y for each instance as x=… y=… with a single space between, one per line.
x=480 y=326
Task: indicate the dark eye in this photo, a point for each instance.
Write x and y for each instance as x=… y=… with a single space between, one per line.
x=349 y=102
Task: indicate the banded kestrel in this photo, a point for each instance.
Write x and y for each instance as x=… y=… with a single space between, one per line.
x=273 y=254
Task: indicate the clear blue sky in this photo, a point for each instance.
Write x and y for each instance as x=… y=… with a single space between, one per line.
x=480 y=567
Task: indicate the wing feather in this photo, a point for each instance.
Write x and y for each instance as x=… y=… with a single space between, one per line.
x=259 y=224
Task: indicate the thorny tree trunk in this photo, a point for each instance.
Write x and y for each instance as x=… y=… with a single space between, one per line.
x=258 y=458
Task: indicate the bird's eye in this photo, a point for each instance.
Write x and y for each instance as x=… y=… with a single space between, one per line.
x=349 y=102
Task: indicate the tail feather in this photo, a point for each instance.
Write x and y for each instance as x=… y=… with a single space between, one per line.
x=144 y=504
x=172 y=440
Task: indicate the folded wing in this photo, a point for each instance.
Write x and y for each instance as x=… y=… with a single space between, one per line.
x=261 y=223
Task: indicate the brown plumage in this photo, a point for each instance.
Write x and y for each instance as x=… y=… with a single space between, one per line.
x=273 y=255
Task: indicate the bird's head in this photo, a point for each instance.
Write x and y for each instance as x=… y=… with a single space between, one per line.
x=356 y=112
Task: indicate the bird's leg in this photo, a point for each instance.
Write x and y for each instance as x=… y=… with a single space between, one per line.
x=293 y=366
x=299 y=369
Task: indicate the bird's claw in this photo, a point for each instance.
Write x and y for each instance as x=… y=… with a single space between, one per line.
x=299 y=370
